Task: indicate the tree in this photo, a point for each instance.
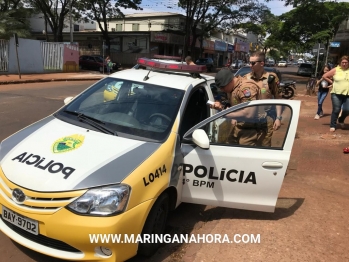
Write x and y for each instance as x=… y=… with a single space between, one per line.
x=13 y=19
x=320 y=25
x=55 y=13
x=102 y=11
x=213 y=14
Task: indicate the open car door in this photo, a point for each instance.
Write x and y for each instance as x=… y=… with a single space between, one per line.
x=221 y=172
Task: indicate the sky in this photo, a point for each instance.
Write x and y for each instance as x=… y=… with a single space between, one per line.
x=276 y=7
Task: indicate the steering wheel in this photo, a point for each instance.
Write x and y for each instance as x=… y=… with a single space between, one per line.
x=161 y=116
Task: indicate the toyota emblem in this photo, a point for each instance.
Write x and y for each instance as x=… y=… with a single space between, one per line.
x=18 y=196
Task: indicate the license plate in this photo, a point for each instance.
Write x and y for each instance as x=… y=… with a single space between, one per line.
x=25 y=223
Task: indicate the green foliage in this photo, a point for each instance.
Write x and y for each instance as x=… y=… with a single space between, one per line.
x=13 y=19
x=212 y=15
x=313 y=21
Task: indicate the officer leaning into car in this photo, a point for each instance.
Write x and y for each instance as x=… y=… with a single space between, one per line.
x=242 y=126
x=268 y=83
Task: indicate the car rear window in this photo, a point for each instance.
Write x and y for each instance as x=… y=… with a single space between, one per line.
x=306 y=65
x=201 y=60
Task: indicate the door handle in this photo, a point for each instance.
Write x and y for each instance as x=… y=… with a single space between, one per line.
x=272 y=165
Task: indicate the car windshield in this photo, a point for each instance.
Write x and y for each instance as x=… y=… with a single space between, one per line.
x=98 y=59
x=201 y=60
x=306 y=65
x=127 y=108
x=243 y=71
x=282 y=62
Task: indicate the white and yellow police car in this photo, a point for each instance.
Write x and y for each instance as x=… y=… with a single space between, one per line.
x=119 y=156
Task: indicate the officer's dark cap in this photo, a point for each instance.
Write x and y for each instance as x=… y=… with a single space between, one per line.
x=223 y=77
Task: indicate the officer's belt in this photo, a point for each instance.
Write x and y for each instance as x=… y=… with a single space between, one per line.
x=257 y=123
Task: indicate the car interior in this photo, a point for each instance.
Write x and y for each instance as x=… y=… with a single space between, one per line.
x=195 y=111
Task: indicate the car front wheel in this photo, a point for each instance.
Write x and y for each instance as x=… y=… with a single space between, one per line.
x=155 y=224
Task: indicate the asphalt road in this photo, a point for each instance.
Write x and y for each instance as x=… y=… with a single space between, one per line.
x=309 y=223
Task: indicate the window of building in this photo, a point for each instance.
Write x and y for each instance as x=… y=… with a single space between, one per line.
x=135 y=27
x=118 y=27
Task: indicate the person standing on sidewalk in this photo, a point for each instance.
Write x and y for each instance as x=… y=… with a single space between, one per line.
x=339 y=78
x=322 y=92
x=268 y=83
x=109 y=64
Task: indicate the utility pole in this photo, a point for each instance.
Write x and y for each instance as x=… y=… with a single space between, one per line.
x=71 y=21
x=17 y=45
x=317 y=59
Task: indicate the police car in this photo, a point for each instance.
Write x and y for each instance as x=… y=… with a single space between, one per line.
x=118 y=163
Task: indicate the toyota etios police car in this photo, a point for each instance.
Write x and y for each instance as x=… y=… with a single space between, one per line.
x=123 y=153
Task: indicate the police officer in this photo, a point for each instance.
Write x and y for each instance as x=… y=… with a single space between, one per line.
x=240 y=127
x=268 y=83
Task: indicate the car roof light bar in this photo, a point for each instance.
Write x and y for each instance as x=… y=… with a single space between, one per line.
x=172 y=67
x=168 y=57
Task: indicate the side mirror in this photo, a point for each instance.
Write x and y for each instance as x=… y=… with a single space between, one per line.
x=200 y=138
x=68 y=99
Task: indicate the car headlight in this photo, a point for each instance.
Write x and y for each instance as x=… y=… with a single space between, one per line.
x=103 y=201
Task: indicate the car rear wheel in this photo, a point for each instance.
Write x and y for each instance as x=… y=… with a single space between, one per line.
x=155 y=224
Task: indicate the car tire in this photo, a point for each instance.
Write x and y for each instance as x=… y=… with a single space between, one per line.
x=155 y=224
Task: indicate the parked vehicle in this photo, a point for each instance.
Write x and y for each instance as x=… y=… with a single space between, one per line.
x=305 y=69
x=288 y=89
x=269 y=62
x=208 y=62
x=237 y=64
x=300 y=61
x=282 y=63
x=95 y=62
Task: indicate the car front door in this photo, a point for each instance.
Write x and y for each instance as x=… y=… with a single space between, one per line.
x=228 y=173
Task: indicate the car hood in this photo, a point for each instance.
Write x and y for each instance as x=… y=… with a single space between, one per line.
x=52 y=155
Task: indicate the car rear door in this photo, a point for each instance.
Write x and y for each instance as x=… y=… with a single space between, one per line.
x=234 y=175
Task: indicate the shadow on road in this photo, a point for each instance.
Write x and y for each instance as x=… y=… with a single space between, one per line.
x=188 y=217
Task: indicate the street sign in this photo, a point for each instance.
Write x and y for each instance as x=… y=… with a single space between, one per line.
x=335 y=44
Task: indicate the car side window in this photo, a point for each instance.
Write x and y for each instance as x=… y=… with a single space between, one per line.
x=250 y=132
x=196 y=110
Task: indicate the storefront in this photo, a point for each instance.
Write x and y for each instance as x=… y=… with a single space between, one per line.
x=220 y=48
x=166 y=43
x=230 y=52
x=241 y=51
x=209 y=49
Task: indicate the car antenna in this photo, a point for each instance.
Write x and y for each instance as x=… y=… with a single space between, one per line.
x=146 y=77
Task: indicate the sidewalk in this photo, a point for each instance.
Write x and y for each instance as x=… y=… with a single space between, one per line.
x=48 y=77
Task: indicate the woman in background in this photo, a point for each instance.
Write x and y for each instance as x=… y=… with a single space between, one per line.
x=109 y=64
x=322 y=92
x=339 y=78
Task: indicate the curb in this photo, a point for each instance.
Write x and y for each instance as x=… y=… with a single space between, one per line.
x=48 y=80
